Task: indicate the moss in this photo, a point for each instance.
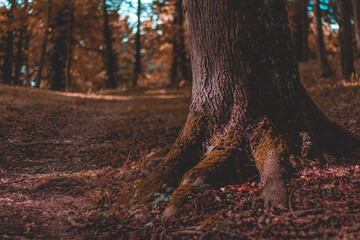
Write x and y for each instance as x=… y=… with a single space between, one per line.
x=266 y=142
x=183 y=156
x=181 y=195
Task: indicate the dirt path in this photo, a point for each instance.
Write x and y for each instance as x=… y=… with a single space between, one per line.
x=53 y=146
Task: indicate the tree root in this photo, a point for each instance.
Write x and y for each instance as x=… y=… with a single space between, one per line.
x=190 y=166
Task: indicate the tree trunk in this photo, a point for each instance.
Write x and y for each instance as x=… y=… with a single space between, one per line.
x=137 y=68
x=356 y=6
x=8 y=58
x=110 y=56
x=19 y=57
x=319 y=38
x=69 y=53
x=345 y=37
x=44 y=44
x=179 y=52
x=248 y=106
x=300 y=25
x=27 y=37
x=57 y=54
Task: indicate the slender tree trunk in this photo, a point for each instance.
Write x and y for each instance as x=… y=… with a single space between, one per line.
x=57 y=54
x=345 y=37
x=44 y=44
x=19 y=57
x=182 y=52
x=179 y=52
x=27 y=38
x=110 y=56
x=175 y=57
x=304 y=30
x=356 y=7
x=69 y=53
x=300 y=26
x=137 y=68
x=248 y=106
x=8 y=58
x=319 y=39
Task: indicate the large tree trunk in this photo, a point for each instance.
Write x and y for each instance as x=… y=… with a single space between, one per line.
x=319 y=38
x=110 y=56
x=356 y=7
x=179 y=52
x=345 y=37
x=69 y=53
x=44 y=45
x=137 y=67
x=248 y=105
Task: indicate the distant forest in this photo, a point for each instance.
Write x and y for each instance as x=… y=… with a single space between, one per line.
x=88 y=45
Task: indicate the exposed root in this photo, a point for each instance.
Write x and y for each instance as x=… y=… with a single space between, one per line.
x=220 y=167
x=190 y=166
x=183 y=156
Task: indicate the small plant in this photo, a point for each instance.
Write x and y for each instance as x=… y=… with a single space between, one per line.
x=306 y=143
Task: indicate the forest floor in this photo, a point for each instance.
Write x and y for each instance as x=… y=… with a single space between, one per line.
x=64 y=160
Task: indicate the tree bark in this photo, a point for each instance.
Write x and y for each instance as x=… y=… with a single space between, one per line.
x=44 y=44
x=137 y=67
x=110 y=56
x=356 y=7
x=345 y=37
x=69 y=53
x=248 y=106
x=319 y=38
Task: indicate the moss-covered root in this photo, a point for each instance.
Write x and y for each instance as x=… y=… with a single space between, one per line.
x=217 y=168
x=184 y=155
x=274 y=191
x=272 y=157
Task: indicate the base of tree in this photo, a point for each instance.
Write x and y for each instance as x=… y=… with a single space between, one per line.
x=200 y=158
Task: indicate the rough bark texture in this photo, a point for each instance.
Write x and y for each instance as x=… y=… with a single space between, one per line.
x=137 y=67
x=110 y=56
x=248 y=105
x=179 y=53
x=44 y=44
x=319 y=38
x=345 y=37
x=356 y=7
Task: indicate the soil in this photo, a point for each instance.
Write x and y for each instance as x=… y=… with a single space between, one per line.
x=66 y=158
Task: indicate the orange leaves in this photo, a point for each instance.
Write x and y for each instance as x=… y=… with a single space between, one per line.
x=238 y=188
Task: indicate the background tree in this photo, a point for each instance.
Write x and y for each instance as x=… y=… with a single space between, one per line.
x=8 y=58
x=345 y=37
x=319 y=38
x=179 y=61
x=44 y=43
x=137 y=67
x=241 y=71
x=299 y=27
x=356 y=7
x=110 y=55
x=69 y=51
